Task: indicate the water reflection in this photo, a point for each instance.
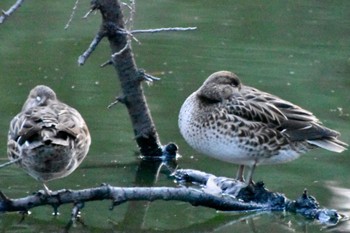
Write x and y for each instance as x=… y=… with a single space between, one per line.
x=340 y=199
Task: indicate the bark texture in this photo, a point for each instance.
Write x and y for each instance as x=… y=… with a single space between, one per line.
x=130 y=77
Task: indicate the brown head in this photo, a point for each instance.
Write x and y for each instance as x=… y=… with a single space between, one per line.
x=39 y=96
x=219 y=86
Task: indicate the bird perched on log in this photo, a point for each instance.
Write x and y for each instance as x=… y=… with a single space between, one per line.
x=239 y=124
x=48 y=138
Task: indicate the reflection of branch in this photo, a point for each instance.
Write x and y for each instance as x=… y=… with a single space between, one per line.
x=10 y=11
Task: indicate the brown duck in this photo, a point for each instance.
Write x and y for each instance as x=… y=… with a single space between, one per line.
x=239 y=124
x=48 y=138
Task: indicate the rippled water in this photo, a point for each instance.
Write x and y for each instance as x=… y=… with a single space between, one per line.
x=298 y=50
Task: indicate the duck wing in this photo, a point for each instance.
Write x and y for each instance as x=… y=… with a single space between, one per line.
x=289 y=119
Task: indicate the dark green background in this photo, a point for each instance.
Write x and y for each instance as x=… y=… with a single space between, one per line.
x=298 y=50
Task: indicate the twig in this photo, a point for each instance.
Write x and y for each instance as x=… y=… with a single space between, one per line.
x=82 y=58
x=13 y=8
x=113 y=103
x=150 y=78
x=122 y=50
x=94 y=7
x=72 y=14
x=147 y=77
x=127 y=32
x=132 y=10
x=162 y=30
x=109 y=62
x=119 y=99
x=88 y=13
x=10 y=163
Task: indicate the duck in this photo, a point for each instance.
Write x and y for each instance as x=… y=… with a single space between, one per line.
x=47 y=138
x=239 y=124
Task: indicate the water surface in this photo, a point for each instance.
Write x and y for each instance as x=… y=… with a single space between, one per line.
x=298 y=50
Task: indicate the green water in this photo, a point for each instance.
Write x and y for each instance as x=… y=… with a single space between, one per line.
x=298 y=50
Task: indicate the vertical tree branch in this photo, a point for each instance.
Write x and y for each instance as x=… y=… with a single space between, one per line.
x=129 y=75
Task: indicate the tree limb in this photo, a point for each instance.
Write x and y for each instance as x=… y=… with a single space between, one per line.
x=129 y=76
x=256 y=198
x=13 y=8
x=72 y=14
x=82 y=58
x=171 y=29
x=119 y=195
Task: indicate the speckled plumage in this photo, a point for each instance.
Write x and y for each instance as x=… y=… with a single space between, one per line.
x=240 y=124
x=50 y=138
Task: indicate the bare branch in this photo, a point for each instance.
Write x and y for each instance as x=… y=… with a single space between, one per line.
x=127 y=32
x=122 y=50
x=174 y=29
x=132 y=32
x=132 y=10
x=121 y=195
x=113 y=103
x=13 y=8
x=119 y=99
x=82 y=58
x=10 y=163
x=88 y=13
x=72 y=14
x=150 y=78
x=109 y=62
x=255 y=198
x=147 y=77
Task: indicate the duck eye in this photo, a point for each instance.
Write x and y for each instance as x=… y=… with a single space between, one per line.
x=234 y=84
x=38 y=98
